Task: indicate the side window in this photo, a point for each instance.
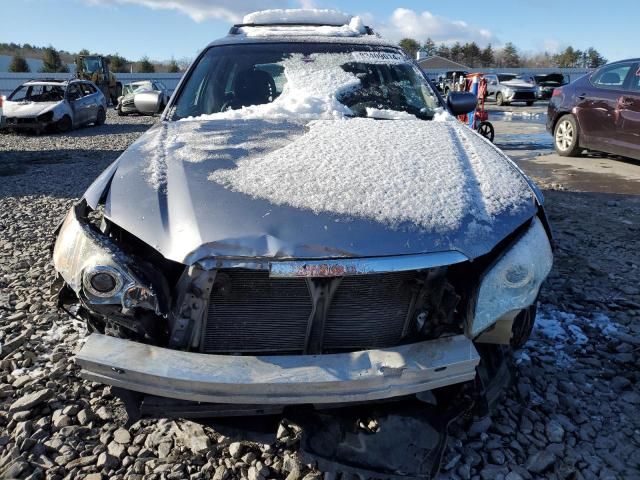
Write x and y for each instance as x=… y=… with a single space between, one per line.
x=612 y=77
x=635 y=80
x=85 y=88
x=73 y=93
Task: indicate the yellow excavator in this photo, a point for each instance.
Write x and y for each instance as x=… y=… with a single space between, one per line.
x=96 y=69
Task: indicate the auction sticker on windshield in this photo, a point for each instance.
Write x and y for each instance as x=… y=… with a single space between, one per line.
x=380 y=57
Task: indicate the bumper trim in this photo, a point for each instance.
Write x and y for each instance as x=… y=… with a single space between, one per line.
x=278 y=380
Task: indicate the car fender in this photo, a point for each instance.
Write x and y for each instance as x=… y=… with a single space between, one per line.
x=60 y=110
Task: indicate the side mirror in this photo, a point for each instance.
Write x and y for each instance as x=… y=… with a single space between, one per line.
x=461 y=103
x=147 y=103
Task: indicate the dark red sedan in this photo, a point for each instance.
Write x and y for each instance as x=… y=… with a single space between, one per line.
x=600 y=111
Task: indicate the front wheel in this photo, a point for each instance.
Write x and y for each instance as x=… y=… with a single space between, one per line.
x=101 y=117
x=566 y=137
x=64 y=124
x=499 y=99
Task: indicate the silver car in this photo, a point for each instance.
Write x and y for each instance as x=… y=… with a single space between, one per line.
x=506 y=88
x=131 y=91
x=50 y=104
x=308 y=224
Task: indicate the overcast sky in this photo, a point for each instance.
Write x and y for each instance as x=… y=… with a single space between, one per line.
x=162 y=29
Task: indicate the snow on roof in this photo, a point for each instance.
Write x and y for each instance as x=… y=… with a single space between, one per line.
x=302 y=23
x=299 y=16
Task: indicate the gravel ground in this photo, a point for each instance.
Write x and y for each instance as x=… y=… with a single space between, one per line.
x=573 y=412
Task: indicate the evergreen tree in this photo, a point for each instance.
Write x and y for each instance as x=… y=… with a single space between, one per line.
x=471 y=54
x=569 y=58
x=456 y=53
x=410 y=46
x=19 y=64
x=486 y=57
x=51 y=62
x=118 y=64
x=429 y=48
x=510 y=56
x=173 y=66
x=594 y=59
x=145 y=66
x=443 y=51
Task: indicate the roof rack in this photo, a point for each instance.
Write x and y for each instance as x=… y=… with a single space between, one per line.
x=235 y=30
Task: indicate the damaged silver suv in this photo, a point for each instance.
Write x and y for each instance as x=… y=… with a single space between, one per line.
x=308 y=224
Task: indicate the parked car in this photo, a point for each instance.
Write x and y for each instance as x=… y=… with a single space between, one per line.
x=127 y=104
x=272 y=242
x=451 y=81
x=2 y=117
x=506 y=88
x=41 y=104
x=545 y=83
x=600 y=111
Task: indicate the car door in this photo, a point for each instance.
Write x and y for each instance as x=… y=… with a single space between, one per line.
x=90 y=101
x=597 y=106
x=492 y=85
x=74 y=97
x=628 y=128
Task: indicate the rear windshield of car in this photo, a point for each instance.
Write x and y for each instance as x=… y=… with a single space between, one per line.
x=307 y=80
x=37 y=93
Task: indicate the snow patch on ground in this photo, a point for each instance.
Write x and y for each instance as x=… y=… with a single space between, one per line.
x=556 y=333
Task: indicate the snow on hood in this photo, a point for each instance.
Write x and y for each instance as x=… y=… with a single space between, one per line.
x=517 y=82
x=28 y=109
x=437 y=176
x=332 y=188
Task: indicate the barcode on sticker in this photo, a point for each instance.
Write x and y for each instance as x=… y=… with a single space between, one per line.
x=379 y=57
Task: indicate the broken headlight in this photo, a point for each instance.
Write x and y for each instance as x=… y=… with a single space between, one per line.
x=96 y=269
x=514 y=281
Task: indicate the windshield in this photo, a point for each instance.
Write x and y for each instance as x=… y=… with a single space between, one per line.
x=92 y=64
x=305 y=80
x=37 y=93
x=507 y=77
x=140 y=86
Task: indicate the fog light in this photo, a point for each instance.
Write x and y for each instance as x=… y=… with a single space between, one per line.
x=103 y=281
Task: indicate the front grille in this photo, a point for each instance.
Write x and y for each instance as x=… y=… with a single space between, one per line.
x=524 y=96
x=260 y=314
x=368 y=311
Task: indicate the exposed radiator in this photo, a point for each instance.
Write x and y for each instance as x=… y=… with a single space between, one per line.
x=259 y=314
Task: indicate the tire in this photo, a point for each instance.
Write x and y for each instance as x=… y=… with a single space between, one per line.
x=101 y=117
x=120 y=112
x=529 y=103
x=566 y=136
x=523 y=326
x=64 y=124
x=499 y=99
x=486 y=130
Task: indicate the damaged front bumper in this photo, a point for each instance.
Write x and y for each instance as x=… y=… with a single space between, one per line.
x=279 y=380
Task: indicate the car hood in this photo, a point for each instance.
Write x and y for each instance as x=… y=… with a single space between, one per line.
x=28 y=109
x=517 y=84
x=325 y=189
